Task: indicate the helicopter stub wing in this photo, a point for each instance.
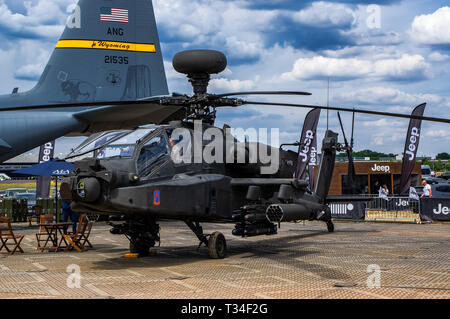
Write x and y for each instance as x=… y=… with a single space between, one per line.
x=268 y=182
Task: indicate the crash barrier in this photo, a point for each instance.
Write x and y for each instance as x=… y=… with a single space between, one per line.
x=435 y=209
x=14 y=209
x=392 y=209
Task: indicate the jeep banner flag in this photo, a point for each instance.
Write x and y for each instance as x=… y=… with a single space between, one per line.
x=46 y=154
x=412 y=144
x=307 y=142
x=435 y=209
x=312 y=164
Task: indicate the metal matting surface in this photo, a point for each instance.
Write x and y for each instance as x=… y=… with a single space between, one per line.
x=302 y=261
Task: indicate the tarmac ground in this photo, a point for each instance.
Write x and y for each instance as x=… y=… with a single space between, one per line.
x=358 y=260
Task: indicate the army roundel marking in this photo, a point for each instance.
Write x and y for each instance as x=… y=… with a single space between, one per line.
x=156 y=198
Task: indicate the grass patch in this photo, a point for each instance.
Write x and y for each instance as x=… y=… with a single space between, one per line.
x=22 y=184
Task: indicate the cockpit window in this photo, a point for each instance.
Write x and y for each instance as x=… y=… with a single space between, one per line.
x=124 y=146
x=100 y=141
x=152 y=154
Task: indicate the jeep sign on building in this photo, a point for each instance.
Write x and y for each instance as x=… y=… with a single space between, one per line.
x=368 y=173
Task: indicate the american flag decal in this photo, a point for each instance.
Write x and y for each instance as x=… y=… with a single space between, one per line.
x=114 y=15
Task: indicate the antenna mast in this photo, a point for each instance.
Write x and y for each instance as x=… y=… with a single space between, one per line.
x=328 y=100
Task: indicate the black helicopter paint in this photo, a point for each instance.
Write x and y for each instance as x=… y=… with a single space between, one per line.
x=146 y=186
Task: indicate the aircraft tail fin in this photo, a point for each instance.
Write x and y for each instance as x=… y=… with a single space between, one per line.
x=109 y=51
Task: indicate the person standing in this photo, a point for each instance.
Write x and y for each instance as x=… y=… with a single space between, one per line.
x=68 y=212
x=376 y=188
x=386 y=189
x=427 y=192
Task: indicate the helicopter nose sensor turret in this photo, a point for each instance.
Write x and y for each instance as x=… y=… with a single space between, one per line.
x=198 y=65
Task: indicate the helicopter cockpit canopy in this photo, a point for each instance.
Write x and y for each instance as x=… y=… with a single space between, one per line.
x=123 y=146
x=112 y=144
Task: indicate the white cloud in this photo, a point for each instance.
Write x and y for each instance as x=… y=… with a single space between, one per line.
x=216 y=23
x=43 y=19
x=390 y=96
x=325 y=14
x=432 y=28
x=379 y=123
x=29 y=71
x=221 y=84
x=437 y=133
x=437 y=57
x=319 y=66
x=407 y=67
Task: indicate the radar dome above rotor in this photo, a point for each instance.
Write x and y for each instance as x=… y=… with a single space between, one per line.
x=199 y=62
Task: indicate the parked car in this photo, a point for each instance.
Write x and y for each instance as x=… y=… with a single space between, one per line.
x=4 y=177
x=2 y=195
x=437 y=190
x=434 y=180
x=426 y=172
x=446 y=176
x=11 y=192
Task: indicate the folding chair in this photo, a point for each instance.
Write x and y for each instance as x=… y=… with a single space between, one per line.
x=85 y=236
x=74 y=240
x=6 y=234
x=43 y=235
x=36 y=211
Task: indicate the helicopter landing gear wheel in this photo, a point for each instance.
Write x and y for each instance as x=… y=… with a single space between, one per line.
x=330 y=226
x=217 y=246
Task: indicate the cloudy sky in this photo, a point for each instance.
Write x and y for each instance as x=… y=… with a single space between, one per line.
x=388 y=55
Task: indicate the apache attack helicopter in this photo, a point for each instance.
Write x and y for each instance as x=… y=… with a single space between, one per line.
x=135 y=175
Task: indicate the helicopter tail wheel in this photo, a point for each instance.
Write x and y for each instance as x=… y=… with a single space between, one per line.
x=217 y=246
x=330 y=226
x=139 y=248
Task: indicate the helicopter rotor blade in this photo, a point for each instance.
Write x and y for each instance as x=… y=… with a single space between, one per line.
x=353 y=130
x=406 y=116
x=155 y=100
x=261 y=93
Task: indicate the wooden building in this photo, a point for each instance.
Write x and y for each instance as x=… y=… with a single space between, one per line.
x=370 y=172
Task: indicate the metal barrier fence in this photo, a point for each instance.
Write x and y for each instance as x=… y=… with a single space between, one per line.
x=395 y=209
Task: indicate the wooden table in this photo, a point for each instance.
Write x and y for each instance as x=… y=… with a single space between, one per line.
x=54 y=230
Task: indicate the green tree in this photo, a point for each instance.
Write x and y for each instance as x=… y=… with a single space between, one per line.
x=439 y=166
x=443 y=156
x=427 y=161
x=367 y=153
